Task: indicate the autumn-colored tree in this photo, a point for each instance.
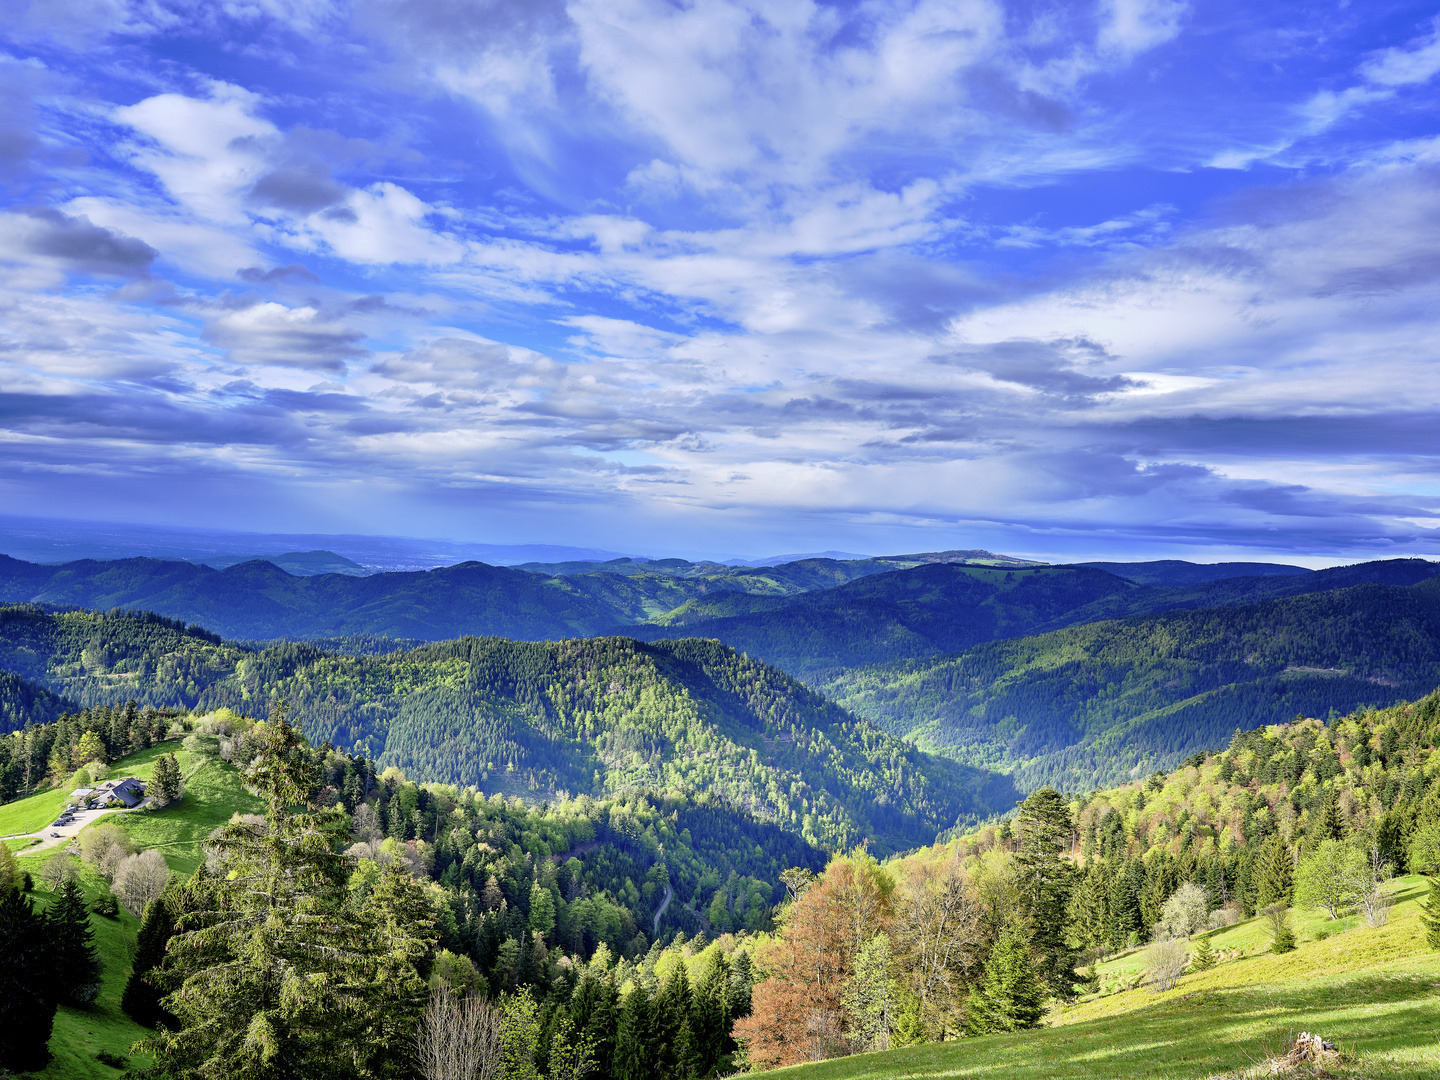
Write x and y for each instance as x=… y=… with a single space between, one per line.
x=808 y=968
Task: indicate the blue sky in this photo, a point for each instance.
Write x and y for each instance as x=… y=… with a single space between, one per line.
x=1130 y=279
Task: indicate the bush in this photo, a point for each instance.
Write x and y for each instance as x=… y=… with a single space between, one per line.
x=105 y=904
x=115 y=1061
x=1165 y=962
x=1185 y=912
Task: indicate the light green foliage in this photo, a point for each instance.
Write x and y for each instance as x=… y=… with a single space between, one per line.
x=521 y=1032
x=1331 y=877
x=542 y=909
x=1425 y=849
x=1277 y=925
x=871 y=998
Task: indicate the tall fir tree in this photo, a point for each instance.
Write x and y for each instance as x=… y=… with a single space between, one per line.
x=1010 y=997
x=27 y=998
x=712 y=1011
x=1330 y=825
x=1430 y=914
x=634 y=1042
x=74 y=960
x=1045 y=830
x=275 y=979
x=141 y=998
x=1274 y=874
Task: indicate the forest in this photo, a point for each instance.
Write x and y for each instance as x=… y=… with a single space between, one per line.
x=589 y=716
x=641 y=937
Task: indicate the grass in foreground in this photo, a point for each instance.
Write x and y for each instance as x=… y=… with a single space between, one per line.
x=1376 y=993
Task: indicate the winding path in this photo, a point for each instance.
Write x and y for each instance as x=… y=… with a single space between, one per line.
x=663 y=905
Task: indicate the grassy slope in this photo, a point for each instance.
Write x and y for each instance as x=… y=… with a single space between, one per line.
x=213 y=793
x=28 y=815
x=1374 y=992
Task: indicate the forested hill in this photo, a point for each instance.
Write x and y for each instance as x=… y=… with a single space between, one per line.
x=585 y=716
x=933 y=610
x=1099 y=703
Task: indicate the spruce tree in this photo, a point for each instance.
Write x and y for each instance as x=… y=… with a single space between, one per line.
x=1203 y=957
x=1330 y=826
x=275 y=978
x=634 y=1048
x=27 y=999
x=1010 y=996
x=669 y=1023
x=1045 y=828
x=74 y=961
x=1430 y=913
x=712 y=1011
x=1273 y=874
x=141 y=999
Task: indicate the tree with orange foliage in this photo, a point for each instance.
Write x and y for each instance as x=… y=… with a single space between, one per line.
x=797 y=1013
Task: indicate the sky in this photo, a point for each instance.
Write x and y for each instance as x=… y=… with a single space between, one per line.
x=1115 y=279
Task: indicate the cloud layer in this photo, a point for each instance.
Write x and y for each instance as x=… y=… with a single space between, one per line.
x=728 y=277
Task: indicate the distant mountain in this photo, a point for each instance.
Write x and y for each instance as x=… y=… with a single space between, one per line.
x=1092 y=704
x=297 y=563
x=945 y=608
x=587 y=716
x=260 y=600
x=1178 y=572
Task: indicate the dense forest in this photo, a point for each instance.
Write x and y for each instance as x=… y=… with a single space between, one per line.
x=586 y=716
x=1095 y=703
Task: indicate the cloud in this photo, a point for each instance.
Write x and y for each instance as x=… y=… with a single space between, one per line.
x=1417 y=61
x=273 y=334
x=74 y=243
x=277 y=274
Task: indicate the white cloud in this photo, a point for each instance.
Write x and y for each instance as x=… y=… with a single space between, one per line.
x=1417 y=61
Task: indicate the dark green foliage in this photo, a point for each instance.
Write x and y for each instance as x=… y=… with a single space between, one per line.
x=1274 y=874
x=1078 y=708
x=1431 y=914
x=1282 y=936
x=1010 y=997
x=1203 y=956
x=27 y=994
x=75 y=963
x=141 y=998
x=597 y=716
x=165 y=784
x=635 y=1050
x=115 y=1061
x=1045 y=829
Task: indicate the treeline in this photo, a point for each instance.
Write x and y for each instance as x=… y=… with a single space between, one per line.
x=976 y=935
x=592 y=715
x=45 y=754
x=1081 y=707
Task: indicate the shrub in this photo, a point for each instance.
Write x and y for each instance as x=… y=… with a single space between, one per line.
x=1165 y=962
x=105 y=904
x=1185 y=912
x=1277 y=924
x=115 y=1061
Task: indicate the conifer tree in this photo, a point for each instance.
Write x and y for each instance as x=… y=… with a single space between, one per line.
x=1124 y=908
x=1045 y=828
x=275 y=978
x=1430 y=914
x=74 y=961
x=712 y=1011
x=634 y=1050
x=1010 y=996
x=669 y=1024
x=1273 y=874
x=1203 y=958
x=27 y=1000
x=141 y=999
x=1330 y=826
x=165 y=785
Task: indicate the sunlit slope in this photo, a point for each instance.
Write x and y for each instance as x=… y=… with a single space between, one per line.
x=1375 y=992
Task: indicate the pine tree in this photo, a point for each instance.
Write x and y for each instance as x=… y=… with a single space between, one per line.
x=166 y=784
x=27 y=1000
x=1089 y=913
x=74 y=961
x=1430 y=913
x=1273 y=874
x=1045 y=828
x=1203 y=958
x=1010 y=996
x=141 y=999
x=712 y=1011
x=399 y=929
x=273 y=973
x=1330 y=826
x=669 y=1027
x=634 y=1050
x=1124 y=908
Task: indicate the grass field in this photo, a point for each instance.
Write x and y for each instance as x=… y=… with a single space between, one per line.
x=1376 y=993
x=32 y=814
